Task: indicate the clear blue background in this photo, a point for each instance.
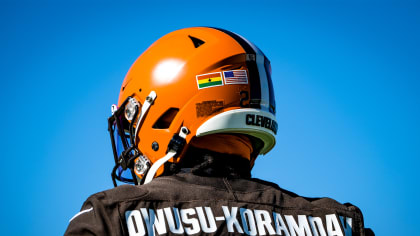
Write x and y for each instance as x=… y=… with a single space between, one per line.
x=346 y=77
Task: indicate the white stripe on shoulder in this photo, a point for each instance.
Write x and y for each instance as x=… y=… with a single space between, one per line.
x=81 y=212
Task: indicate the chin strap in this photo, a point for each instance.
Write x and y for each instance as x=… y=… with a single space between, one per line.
x=175 y=147
x=152 y=171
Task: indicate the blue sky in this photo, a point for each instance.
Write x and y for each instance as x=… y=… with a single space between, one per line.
x=346 y=78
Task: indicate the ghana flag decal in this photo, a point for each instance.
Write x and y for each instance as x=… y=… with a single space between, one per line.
x=209 y=80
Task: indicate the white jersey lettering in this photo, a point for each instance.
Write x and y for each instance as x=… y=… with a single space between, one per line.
x=317 y=226
x=135 y=223
x=333 y=227
x=280 y=225
x=231 y=219
x=301 y=228
x=195 y=227
x=198 y=220
x=211 y=226
x=248 y=221
x=174 y=221
x=264 y=222
x=347 y=225
x=154 y=221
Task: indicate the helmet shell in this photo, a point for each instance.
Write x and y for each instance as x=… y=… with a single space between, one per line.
x=205 y=79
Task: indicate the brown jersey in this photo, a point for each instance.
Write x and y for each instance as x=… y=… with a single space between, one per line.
x=187 y=204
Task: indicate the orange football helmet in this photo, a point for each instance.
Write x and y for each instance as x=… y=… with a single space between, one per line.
x=190 y=83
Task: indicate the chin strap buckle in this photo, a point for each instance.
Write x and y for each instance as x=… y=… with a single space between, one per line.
x=177 y=142
x=175 y=147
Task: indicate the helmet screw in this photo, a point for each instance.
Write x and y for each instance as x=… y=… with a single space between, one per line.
x=155 y=146
x=184 y=130
x=149 y=99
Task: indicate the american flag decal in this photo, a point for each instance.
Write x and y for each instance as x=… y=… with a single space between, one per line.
x=235 y=77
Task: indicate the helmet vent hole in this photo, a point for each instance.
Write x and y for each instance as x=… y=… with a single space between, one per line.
x=197 y=42
x=166 y=118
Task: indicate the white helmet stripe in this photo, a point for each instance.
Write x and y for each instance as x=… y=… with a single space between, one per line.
x=254 y=75
x=265 y=92
x=261 y=93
